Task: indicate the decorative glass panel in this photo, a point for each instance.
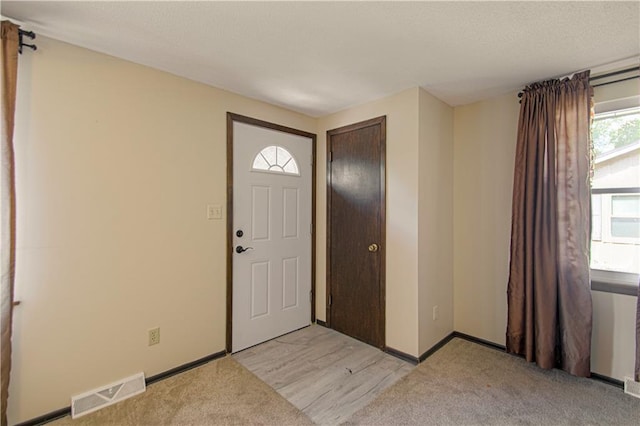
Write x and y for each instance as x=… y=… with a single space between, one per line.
x=260 y=163
x=270 y=155
x=275 y=159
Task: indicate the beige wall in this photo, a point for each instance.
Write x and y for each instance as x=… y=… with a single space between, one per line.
x=402 y=212
x=484 y=149
x=435 y=216
x=613 y=337
x=116 y=163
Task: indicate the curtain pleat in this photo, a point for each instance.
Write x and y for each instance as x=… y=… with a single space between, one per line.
x=549 y=298
x=7 y=203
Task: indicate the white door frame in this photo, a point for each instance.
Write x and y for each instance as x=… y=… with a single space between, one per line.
x=231 y=118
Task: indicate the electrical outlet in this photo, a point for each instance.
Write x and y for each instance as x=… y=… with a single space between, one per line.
x=435 y=313
x=154 y=336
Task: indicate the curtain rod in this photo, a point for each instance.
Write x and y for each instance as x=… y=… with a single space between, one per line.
x=610 y=74
x=29 y=34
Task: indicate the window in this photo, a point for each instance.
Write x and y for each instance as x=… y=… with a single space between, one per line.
x=275 y=159
x=625 y=216
x=615 y=194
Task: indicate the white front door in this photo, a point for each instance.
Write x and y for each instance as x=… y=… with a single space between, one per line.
x=271 y=234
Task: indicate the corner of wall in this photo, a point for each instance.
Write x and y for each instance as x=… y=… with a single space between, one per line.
x=435 y=220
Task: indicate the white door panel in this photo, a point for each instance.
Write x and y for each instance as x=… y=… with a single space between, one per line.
x=272 y=279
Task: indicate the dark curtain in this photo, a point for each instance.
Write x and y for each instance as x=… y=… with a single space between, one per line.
x=7 y=203
x=549 y=297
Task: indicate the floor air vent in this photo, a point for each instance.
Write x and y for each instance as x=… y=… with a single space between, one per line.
x=96 y=399
x=631 y=387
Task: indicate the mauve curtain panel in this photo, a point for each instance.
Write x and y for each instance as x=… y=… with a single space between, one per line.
x=549 y=297
x=7 y=203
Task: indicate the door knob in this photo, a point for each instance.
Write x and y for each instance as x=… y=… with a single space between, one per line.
x=240 y=249
x=373 y=248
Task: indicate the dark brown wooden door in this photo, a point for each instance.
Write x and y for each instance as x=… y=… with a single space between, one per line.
x=356 y=225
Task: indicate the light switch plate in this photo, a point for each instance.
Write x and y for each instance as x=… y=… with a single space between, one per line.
x=214 y=211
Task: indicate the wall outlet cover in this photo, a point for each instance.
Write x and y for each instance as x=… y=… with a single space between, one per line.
x=154 y=336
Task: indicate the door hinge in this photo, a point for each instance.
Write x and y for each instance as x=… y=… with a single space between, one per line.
x=330 y=156
x=330 y=300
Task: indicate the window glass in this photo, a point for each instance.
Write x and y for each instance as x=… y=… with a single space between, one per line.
x=270 y=155
x=625 y=205
x=260 y=163
x=625 y=227
x=291 y=167
x=275 y=159
x=615 y=201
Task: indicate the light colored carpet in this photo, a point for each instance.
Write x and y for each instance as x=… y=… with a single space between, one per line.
x=468 y=384
x=462 y=384
x=221 y=392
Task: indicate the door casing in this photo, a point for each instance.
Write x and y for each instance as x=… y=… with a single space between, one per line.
x=231 y=118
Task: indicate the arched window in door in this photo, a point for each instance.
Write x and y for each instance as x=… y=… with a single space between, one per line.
x=275 y=159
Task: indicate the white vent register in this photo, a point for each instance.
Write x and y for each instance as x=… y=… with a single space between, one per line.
x=104 y=396
x=631 y=387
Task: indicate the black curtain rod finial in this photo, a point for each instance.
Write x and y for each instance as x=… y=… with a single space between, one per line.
x=30 y=46
x=29 y=34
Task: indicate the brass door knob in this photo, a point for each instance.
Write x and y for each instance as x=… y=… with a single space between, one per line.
x=373 y=248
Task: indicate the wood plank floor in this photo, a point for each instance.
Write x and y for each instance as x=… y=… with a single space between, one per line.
x=327 y=375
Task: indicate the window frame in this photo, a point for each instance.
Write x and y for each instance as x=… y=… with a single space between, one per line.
x=616 y=282
x=614 y=215
x=607 y=196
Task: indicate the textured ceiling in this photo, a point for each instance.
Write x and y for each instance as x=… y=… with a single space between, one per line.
x=321 y=57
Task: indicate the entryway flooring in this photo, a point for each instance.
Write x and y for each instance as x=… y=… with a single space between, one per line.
x=325 y=374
